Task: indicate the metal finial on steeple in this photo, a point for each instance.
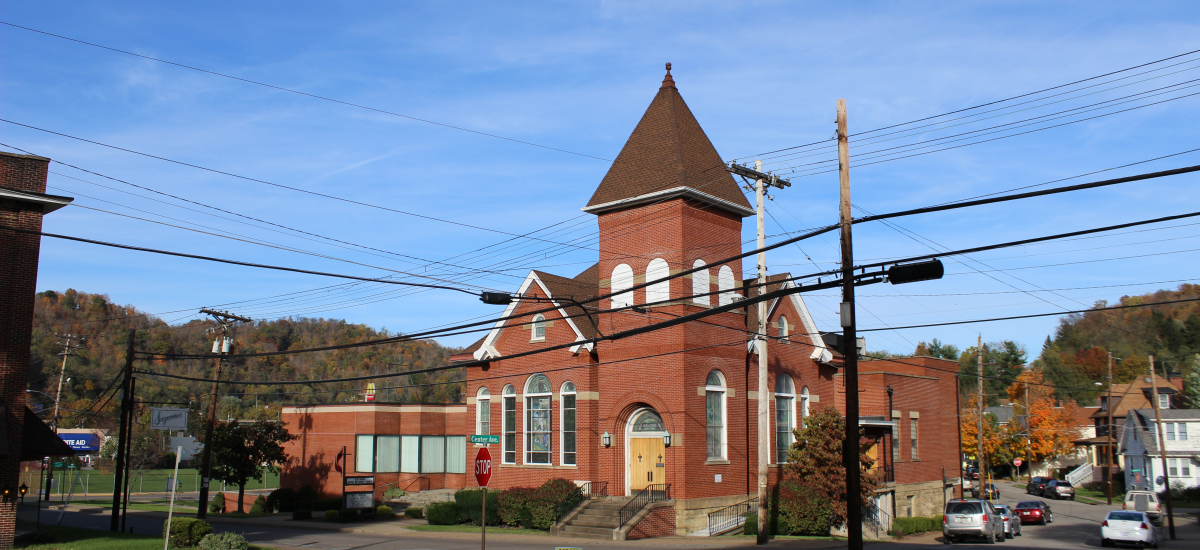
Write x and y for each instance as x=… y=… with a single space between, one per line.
x=667 y=80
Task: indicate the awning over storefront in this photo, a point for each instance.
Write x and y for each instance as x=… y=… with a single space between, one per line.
x=39 y=440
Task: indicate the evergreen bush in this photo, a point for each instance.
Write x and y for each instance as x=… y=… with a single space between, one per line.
x=415 y=512
x=553 y=500
x=224 y=541
x=305 y=497
x=443 y=513
x=186 y=532
x=384 y=512
x=217 y=505
x=331 y=515
x=259 y=506
x=347 y=515
x=282 y=500
x=321 y=504
x=514 y=504
x=802 y=511
x=908 y=526
x=470 y=505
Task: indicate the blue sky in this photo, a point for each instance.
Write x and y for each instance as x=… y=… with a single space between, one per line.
x=759 y=76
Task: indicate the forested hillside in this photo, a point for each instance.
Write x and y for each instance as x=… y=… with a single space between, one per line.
x=96 y=364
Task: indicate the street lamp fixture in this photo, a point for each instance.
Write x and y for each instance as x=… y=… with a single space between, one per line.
x=666 y=438
x=606 y=439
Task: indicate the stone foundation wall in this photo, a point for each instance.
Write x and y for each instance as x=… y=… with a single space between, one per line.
x=927 y=499
x=691 y=515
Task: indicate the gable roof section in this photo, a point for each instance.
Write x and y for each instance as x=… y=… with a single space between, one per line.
x=820 y=353
x=668 y=155
x=1130 y=396
x=583 y=286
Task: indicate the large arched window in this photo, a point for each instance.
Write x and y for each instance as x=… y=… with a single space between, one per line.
x=483 y=404
x=785 y=396
x=657 y=271
x=509 y=447
x=700 y=284
x=714 y=392
x=622 y=279
x=539 y=327
x=783 y=329
x=725 y=285
x=803 y=405
x=567 y=399
x=537 y=420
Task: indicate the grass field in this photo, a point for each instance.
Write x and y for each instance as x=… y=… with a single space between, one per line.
x=74 y=538
x=475 y=529
x=152 y=506
x=147 y=481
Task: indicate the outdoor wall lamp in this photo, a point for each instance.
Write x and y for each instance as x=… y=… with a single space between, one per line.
x=606 y=439
x=666 y=438
x=24 y=489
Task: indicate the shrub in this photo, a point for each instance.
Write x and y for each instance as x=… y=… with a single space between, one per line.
x=43 y=537
x=347 y=515
x=218 y=503
x=331 y=515
x=470 y=506
x=187 y=532
x=552 y=501
x=414 y=513
x=751 y=526
x=259 y=506
x=908 y=526
x=514 y=504
x=224 y=541
x=802 y=511
x=282 y=500
x=393 y=493
x=384 y=512
x=322 y=504
x=302 y=514
x=443 y=513
x=305 y=497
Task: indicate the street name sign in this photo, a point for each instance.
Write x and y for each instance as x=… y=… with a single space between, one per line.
x=485 y=439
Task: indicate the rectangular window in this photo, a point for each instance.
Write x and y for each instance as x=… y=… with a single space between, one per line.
x=568 y=429
x=1170 y=431
x=896 y=444
x=485 y=416
x=364 y=453
x=410 y=454
x=1164 y=401
x=387 y=453
x=510 y=430
x=456 y=454
x=433 y=454
x=912 y=426
x=783 y=428
x=1182 y=429
x=537 y=430
x=715 y=413
x=1186 y=467
x=1173 y=467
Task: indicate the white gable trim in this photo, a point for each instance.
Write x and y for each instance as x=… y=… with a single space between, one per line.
x=488 y=349
x=820 y=353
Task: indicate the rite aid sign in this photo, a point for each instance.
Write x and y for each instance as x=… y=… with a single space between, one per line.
x=81 y=442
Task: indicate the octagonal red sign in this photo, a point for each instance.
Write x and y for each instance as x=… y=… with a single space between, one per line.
x=483 y=467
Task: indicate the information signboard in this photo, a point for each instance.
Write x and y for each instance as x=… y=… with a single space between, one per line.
x=359 y=501
x=167 y=418
x=360 y=480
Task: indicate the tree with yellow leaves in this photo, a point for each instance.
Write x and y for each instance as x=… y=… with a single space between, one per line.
x=1046 y=431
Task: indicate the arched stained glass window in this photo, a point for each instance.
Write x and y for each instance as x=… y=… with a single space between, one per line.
x=647 y=421
x=537 y=420
x=714 y=392
x=539 y=327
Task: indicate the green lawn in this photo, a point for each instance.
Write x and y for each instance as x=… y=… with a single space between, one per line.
x=147 y=481
x=74 y=538
x=152 y=506
x=475 y=529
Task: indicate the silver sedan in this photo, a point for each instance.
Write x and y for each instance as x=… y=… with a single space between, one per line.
x=1012 y=522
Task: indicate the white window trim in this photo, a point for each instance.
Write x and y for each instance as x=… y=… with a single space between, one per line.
x=539 y=321
x=804 y=402
x=562 y=417
x=785 y=395
x=619 y=283
x=723 y=389
x=1164 y=397
x=483 y=398
x=782 y=326
x=726 y=283
x=504 y=424
x=701 y=284
x=659 y=290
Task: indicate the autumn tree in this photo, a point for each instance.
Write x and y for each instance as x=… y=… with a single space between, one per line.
x=815 y=460
x=993 y=439
x=242 y=451
x=1051 y=430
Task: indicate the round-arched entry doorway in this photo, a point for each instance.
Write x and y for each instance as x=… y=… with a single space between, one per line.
x=645 y=451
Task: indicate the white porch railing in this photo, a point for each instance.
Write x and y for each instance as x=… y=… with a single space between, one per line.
x=1078 y=475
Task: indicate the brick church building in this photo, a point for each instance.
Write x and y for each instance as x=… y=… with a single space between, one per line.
x=677 y=406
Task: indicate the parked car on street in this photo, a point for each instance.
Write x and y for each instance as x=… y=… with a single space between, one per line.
x=986 y=490
x=1128 y=527
x=1034 y=511
x=1036 y=485
x=1012 y=522
x=1143 y=501
x=1059 y=489
x=971 y=518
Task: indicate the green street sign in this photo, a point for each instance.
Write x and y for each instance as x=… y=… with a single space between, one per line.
x=58 y=464
x=485 y=439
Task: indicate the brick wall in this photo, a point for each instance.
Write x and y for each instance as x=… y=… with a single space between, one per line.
x=18 y=279
x=660 y=522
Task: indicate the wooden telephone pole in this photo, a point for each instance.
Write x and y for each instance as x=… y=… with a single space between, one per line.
x=979 y=419
x=1108 y=449
x=221 y=346
x=849 y=339
x=1162 y=450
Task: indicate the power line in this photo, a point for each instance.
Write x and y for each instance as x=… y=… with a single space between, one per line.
x=1032 y=315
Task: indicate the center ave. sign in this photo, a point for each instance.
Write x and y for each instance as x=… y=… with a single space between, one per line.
x=483 y=467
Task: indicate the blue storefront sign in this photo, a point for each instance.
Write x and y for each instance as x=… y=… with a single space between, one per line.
x=81 y=442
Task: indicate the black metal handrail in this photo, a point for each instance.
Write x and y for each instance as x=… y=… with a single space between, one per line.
x=652 y=493
x=875 y=518
x=594 y=489
x=422 y=482
x=889 y=472
x=730 y=516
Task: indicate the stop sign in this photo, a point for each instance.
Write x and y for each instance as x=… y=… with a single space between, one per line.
x=1016 y=462
x=483 y=467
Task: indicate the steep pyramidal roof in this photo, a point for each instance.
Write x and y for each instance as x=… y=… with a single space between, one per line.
x=668 y=154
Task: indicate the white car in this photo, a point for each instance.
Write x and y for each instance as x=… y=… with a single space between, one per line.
x=1128 y=527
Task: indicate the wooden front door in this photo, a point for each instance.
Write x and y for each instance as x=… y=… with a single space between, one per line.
x=647 y=462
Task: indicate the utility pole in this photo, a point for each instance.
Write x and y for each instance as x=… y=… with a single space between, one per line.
x=123 y=436
x=762 y=182
x=221 y=346
x=1028 y=438
x=1162 y=451
x=849 y=339
x=979 y=416
x=1108 y=449
x=62 y=372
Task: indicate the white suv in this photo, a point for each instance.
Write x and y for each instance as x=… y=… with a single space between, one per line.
x=1143 y=501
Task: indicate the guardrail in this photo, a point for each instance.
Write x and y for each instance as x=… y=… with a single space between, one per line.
x=595 y=489
x=1078 y=475
x=652 y=493
x=875 y=520
x=730 y=517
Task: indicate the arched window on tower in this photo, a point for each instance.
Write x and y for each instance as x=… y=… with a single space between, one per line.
x=539 y=327
x=783 y=329
x=700 y=284
x=660 y=291
x=725 y=285
x=622 y=279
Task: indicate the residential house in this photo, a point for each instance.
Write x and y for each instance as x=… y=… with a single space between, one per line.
x=1140 y=448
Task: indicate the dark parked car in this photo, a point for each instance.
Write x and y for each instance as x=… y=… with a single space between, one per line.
x=986 y=490
x=1034 y=511
x=1037 y=485
x=1059 y=489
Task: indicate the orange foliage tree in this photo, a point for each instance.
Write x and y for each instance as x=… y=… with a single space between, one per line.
x=1051 y=429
